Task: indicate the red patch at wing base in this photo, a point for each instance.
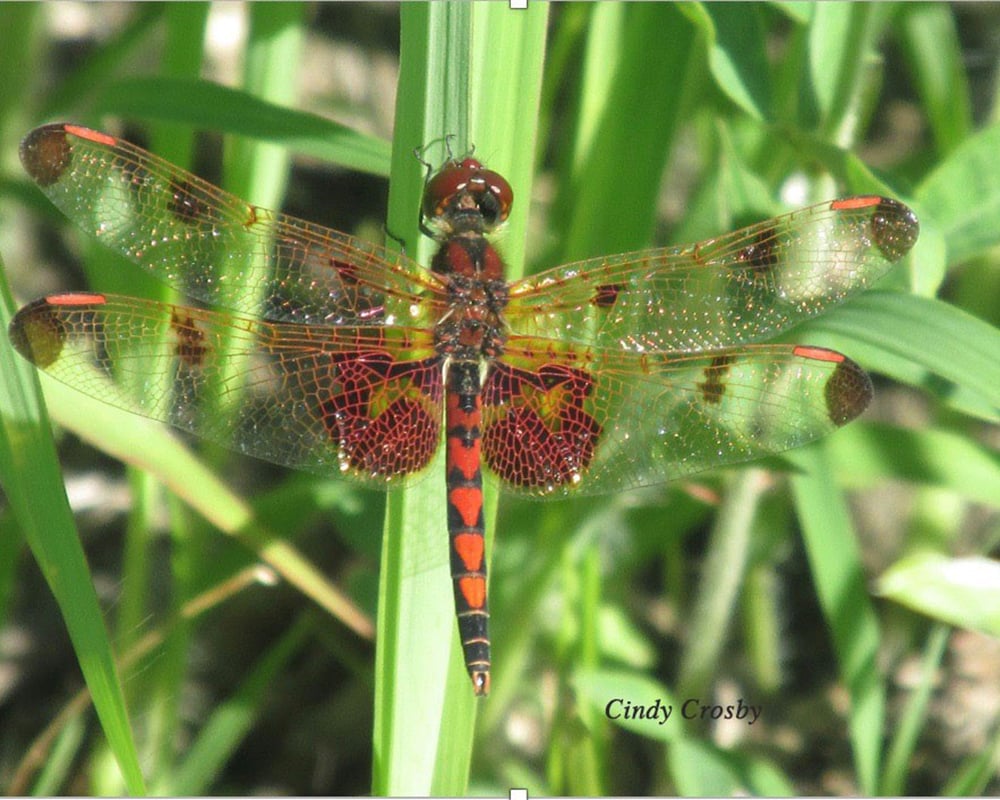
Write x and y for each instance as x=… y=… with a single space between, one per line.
x=383 y=413
x=536 y=432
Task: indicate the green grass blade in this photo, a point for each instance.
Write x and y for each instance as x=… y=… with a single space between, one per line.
x=974 y=774
x=84 y=83
x=208 y=106
x=599 y=688
x=30 y=475
x=904 y=739
x=726 y=564
x=841 y=37
x=183 y=57
x=423 y=730
x=738 y=58
x=868 y=452
x=964 y=592
x=840 y=587
x=970 y=170
x=705 y=770
x=632 y=100
x=416 y=643
x=53 y=776
x=930 y=41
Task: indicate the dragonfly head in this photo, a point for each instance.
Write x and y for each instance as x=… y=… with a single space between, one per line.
x=464 y=195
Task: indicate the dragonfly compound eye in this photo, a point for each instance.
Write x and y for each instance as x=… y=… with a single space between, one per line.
x=490 y=190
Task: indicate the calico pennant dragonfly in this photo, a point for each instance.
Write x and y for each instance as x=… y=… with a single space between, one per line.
x=341 y=357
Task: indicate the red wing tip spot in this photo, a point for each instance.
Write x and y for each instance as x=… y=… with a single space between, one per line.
x=76 y=299
x=87 y=133
x=861 y=201
x=820 y=354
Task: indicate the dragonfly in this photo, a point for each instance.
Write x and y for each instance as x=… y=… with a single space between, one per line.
x=323 y=352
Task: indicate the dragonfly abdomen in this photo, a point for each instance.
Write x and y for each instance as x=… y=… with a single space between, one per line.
x=466 y=527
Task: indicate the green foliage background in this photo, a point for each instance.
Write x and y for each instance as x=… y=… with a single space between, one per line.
x=851 y=588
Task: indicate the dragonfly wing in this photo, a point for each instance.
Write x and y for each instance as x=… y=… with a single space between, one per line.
x=217 y=248
x=593 y=422
x=740 y=287
x=362 y=402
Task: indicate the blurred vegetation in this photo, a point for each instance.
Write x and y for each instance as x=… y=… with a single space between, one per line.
x=851 y=589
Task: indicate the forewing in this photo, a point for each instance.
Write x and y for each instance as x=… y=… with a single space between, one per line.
x=592 y=422
x=741 y=287
x=363 y=402
x=217 y=248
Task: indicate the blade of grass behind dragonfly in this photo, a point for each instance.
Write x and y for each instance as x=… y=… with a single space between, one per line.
x=32 y=481
x=621 y=139
x=831 y=546
x=423 y=722
x=415 y=634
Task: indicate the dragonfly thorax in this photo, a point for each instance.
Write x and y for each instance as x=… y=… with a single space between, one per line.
x=473 y=327
x=470 y=333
